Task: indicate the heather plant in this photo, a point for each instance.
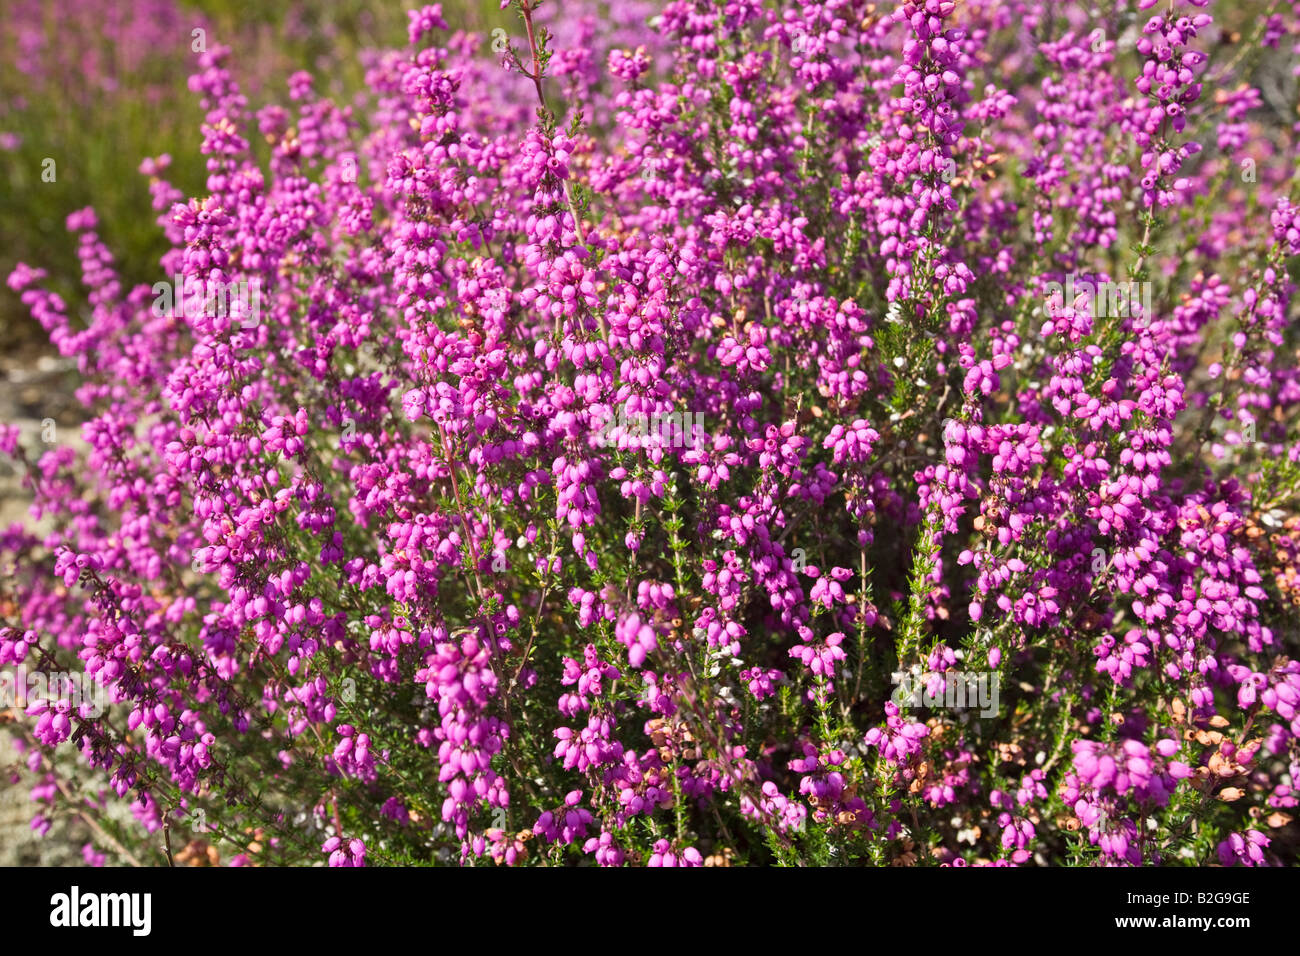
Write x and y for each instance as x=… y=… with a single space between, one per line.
x=954 y=568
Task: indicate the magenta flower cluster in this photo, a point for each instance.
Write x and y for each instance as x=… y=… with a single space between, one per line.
x=366 y=585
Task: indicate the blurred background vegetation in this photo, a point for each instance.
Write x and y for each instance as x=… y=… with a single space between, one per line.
x=99 y=85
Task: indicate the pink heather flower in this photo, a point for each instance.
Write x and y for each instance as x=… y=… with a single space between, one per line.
x=424 y=21
x=1243 y=849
